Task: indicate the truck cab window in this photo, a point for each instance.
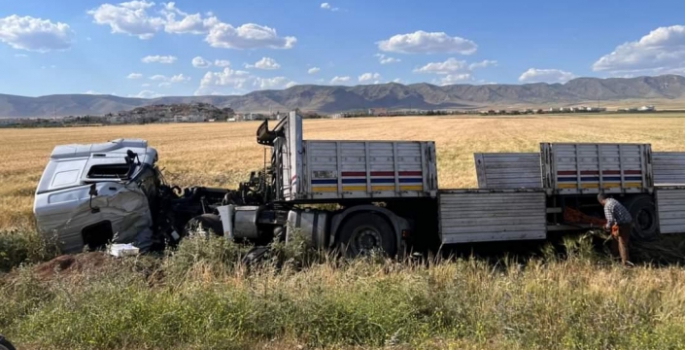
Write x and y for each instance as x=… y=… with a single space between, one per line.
x=108 y=171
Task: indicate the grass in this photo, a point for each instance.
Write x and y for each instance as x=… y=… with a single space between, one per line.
x=202 y=297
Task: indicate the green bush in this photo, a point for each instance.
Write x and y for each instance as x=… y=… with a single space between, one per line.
x=23 y=246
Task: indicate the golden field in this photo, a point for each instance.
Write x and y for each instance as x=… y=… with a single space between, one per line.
x=222 y=154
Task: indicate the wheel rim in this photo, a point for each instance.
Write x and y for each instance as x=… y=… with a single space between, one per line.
x=365 y=239
x=644 y=220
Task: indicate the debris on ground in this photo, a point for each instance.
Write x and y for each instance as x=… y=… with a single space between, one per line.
x=121 y=250
x=70 y=264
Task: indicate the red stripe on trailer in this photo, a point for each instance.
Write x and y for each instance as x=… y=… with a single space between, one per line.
x=381 y=173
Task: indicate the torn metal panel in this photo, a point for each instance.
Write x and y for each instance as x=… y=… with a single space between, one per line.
x=63 y=215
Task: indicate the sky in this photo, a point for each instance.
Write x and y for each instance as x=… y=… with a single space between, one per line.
x=150 y=49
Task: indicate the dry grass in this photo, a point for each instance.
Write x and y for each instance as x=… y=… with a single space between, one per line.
x=222 y=154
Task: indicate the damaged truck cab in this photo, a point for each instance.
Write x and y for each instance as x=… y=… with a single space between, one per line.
x=90 y=195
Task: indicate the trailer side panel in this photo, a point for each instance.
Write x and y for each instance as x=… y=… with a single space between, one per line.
x=671 y=209
x=669 y=168
x=577 y=168
x=508 y=170
x=369 y=169
x=489 y=215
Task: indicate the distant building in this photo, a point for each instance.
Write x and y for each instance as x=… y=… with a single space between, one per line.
x=378 y=111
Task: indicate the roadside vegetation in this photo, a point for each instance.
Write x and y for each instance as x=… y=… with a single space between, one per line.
x=201 y=296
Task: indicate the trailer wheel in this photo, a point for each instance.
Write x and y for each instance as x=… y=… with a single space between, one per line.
x=5 y=344
x=645 y=223
x=207 y=224
x=365 y=232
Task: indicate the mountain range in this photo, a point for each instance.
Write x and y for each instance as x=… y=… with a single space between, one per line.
x=332 y=99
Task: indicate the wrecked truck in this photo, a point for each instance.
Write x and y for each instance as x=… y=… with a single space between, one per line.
x=355 y=196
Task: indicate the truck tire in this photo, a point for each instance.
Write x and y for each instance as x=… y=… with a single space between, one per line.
x=364 y=232
x=210 y=224
x=645 y=222
x=256 y=255
x=5 y=344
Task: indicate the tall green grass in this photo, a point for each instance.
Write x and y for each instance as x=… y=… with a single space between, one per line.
x=201 y=297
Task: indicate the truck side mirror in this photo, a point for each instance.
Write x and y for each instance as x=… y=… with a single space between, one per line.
x=93 y=190
x=93 y=193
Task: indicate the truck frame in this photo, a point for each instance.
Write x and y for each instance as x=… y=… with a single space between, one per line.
x=355 y=196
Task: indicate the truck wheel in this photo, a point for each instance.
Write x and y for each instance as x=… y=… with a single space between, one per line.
x=256 y=255
x=5 y=344
x=645 y=223
x=365 y=232
x=209 y=224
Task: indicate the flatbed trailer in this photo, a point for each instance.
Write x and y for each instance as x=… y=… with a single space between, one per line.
x=362 y=195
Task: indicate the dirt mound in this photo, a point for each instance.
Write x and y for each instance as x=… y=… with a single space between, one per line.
x=69 y=264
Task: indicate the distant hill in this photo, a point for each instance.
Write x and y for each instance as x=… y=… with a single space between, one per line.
x=331 y=99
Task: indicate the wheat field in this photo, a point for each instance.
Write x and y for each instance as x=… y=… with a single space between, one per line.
x=222 y=154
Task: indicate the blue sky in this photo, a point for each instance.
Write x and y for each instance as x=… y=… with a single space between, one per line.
x=146 y=49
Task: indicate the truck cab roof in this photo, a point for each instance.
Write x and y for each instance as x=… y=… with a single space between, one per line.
x=81 y=164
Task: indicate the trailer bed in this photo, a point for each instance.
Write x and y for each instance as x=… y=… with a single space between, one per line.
x=479 y=215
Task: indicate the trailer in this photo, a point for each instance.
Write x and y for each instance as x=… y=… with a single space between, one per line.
x=355 y=196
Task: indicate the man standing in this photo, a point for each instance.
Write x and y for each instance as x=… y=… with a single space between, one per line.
x=619 y=223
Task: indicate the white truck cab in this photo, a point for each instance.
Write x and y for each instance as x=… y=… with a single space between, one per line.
x=90 y=194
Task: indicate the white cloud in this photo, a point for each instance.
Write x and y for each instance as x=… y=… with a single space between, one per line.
x=534 y=75
x=146 y=94
x=134 y=76
x=199 y=62
x=328 y=6
x=91 y=92
x=239 y=80
x=167 y=81
x=451 y=65
x=452 y=79
x=273 y=83
x=397 y=80
x=222 y=63
x=128 y=18
x=661 y=51
x=145 y=85
x=179 y=78
x=369 y=77
x=483 y=64
x=159 y=59
x=247 y=36
x=383 y=59
x=340 y=80
x=425 y=42
x=34 y=34
x=453 y=71
x=164 y=84
x=139 y=18
x=188 y=24
x=266 y=63
x=228 y=77
x=313 y=70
